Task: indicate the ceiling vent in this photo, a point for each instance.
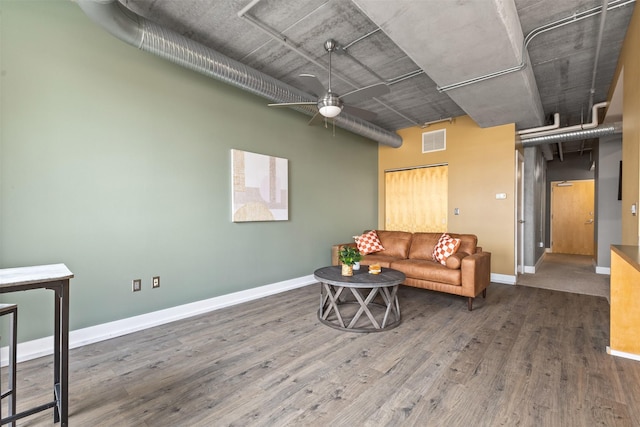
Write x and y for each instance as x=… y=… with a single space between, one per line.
x=434 y=141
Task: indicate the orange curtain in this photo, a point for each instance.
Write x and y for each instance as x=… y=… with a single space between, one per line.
x=416 y=199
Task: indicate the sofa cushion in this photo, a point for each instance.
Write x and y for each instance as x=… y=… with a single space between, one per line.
x=468 y=242
x=428 y=270
x=396 y=243
x=376 y=258
x=422 y=245
x=445 y=247
x=368 y=243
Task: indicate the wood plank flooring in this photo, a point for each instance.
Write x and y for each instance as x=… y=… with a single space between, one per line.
x=523 y=356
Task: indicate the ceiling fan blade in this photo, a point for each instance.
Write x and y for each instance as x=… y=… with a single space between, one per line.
x=359 y=112
x=292 y=104
x=312 y=84
x=316 y=119
x=366 y=92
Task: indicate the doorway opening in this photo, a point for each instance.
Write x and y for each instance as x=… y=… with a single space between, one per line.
x=569 y=262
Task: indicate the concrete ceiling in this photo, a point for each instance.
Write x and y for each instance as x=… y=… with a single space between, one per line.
x=427 y=51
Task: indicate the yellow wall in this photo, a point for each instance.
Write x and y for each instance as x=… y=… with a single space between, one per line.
x=630 y=62
x=481 y=164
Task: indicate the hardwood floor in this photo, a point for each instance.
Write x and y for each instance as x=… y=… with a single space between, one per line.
x=523 y=356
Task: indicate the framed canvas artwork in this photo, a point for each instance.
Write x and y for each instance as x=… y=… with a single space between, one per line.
x=260 y=187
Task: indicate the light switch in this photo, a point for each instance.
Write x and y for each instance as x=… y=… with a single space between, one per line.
x=456 y=211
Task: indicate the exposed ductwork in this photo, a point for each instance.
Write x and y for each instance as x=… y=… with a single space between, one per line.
x=597 y=132
x=167 y=44
x=539 y=134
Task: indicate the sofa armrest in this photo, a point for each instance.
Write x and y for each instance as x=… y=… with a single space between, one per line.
x=336 y=248
x=476 y=273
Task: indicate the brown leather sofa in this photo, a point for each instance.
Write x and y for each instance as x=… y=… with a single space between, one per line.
x=467 y=272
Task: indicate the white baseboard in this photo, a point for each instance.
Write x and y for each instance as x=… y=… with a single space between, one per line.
x=531 y=269
x=44 y=346
x=503 y=278
x=603 y=270
x=540 y=260
x=623 y=354
x=77 y=338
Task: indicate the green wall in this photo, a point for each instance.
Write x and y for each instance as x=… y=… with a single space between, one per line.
x=117 y=164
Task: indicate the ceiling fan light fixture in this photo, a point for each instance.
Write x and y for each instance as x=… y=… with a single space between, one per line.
x=330 y=110
x=329 y=105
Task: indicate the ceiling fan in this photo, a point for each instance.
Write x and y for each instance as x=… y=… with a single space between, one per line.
x=330 y=104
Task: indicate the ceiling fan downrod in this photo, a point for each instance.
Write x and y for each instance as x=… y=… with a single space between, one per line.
x=330 y=105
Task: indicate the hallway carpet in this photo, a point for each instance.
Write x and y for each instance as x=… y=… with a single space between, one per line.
x=568 y=273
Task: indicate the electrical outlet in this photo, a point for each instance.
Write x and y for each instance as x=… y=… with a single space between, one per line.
x=136 y=285
x=155 y=283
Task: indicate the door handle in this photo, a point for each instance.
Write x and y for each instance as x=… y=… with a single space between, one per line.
x=589 y=222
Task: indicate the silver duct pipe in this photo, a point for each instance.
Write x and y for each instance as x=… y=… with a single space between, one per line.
x=597 y=132
x=167 y=44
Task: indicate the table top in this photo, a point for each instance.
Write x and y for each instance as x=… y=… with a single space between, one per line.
x=629 y=253
x=32 y=275
x=360 y=279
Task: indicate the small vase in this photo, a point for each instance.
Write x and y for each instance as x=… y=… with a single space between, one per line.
x=347 y=270
x=356 y=266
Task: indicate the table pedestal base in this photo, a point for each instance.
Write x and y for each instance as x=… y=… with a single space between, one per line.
x=342 y=311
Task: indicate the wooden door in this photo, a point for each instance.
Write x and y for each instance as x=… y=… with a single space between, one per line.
x=572 y=221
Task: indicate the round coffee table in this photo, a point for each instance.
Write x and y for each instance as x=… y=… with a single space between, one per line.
x=342 y=311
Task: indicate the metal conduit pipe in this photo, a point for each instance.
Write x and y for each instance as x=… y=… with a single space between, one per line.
x=167 y=44
x=602 y=130
x=614 y=4
x=603 y=18
x=591 y=125
x=555 y=125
